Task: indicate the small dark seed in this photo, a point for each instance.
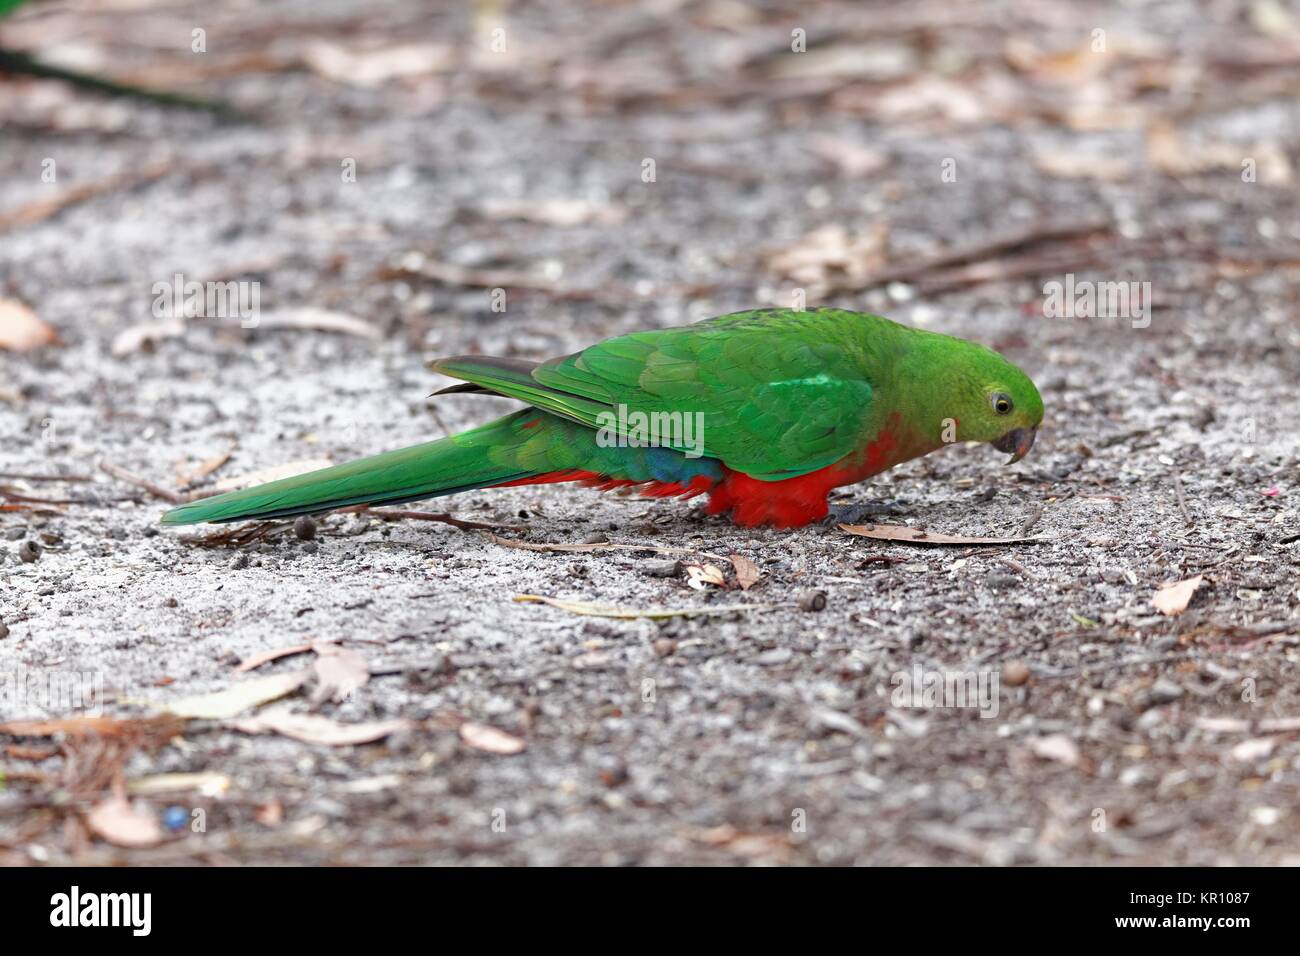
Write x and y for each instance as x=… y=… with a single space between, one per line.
x=812 y=601
x=4 y=631
x=170 y=602
x=305 y=528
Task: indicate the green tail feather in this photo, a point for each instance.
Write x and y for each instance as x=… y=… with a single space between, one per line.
x=462 y=462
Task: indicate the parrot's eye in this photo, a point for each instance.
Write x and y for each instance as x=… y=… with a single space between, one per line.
x=1002 y=403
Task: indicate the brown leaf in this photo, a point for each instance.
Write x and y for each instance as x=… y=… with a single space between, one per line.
x=116 y=821
x=906 y=535
x=210 y=784
x=270 y=814
x=1056 y=747
x=831 y=251
x=555 y=212
x=238 y=697
x=338 y=672
x=747 y=572
x=134 y=337
x=265 y=657
x=592 y=609
x=490 y=739
x=315 y=729
x=163 y=727
x=1256 y=748
x=319 y=320
x=851 y=157
x=701 y=576
x=1172 y=599
x=21 y=329
x=367 y=69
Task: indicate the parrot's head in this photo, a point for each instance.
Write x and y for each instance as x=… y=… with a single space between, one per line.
x=992 y=401
x=1007 y=407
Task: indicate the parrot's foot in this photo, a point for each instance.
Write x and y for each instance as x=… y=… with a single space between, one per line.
x=862 y=512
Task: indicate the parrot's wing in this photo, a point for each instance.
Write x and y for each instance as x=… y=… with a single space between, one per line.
x=773 y=394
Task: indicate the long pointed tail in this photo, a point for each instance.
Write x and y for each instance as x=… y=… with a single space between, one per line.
x=474 y=459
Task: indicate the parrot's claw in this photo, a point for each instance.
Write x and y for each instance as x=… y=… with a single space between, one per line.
x=861 y=512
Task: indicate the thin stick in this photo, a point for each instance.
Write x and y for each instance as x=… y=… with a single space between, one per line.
x=600 y=546
x=122 y=474
x=1182 y=501
x=19 y=476
x=397 y=514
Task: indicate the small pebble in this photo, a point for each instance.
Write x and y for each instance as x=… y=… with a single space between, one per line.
x=1015 y=673
x=15 y=534
x=661 y=569
x=170 y=602
x=305 y=528
x=596 y=537
x=310 y=547
x=1164 y=691
x=28 y=552
x=812 y=601
x=1002 y=581
x=239 y=562
x=4 y=631
x=664 y=646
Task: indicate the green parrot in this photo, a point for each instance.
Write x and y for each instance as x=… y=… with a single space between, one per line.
x=764 y=411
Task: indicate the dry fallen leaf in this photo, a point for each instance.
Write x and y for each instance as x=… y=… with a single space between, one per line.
x=1057 y=747
x=320 y=320
x=1176 y=155
x=831 y=252
x=134 y=338
x=338 y=672
x=906 y=535
x=1071 y=165
x=20 y=328
x=701 y=576
x=116 y=821
x=371 y=68
x=555 y=212
x=1256 y=748
x=315 y=729
x=154 y=728
x=747 y=572
x=490 y=739
x=265 y=657
x=238 y=697
x=851 y=157
x=270 y=814
x=1172 y=599
x=209 y=784
x=591 y=609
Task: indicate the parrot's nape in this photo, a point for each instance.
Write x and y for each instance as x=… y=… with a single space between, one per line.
x=764 y=411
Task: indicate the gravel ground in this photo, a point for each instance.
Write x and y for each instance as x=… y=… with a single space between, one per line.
x=1170 y=449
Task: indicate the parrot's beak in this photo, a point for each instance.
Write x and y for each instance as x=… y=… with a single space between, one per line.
x=1016 y=442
